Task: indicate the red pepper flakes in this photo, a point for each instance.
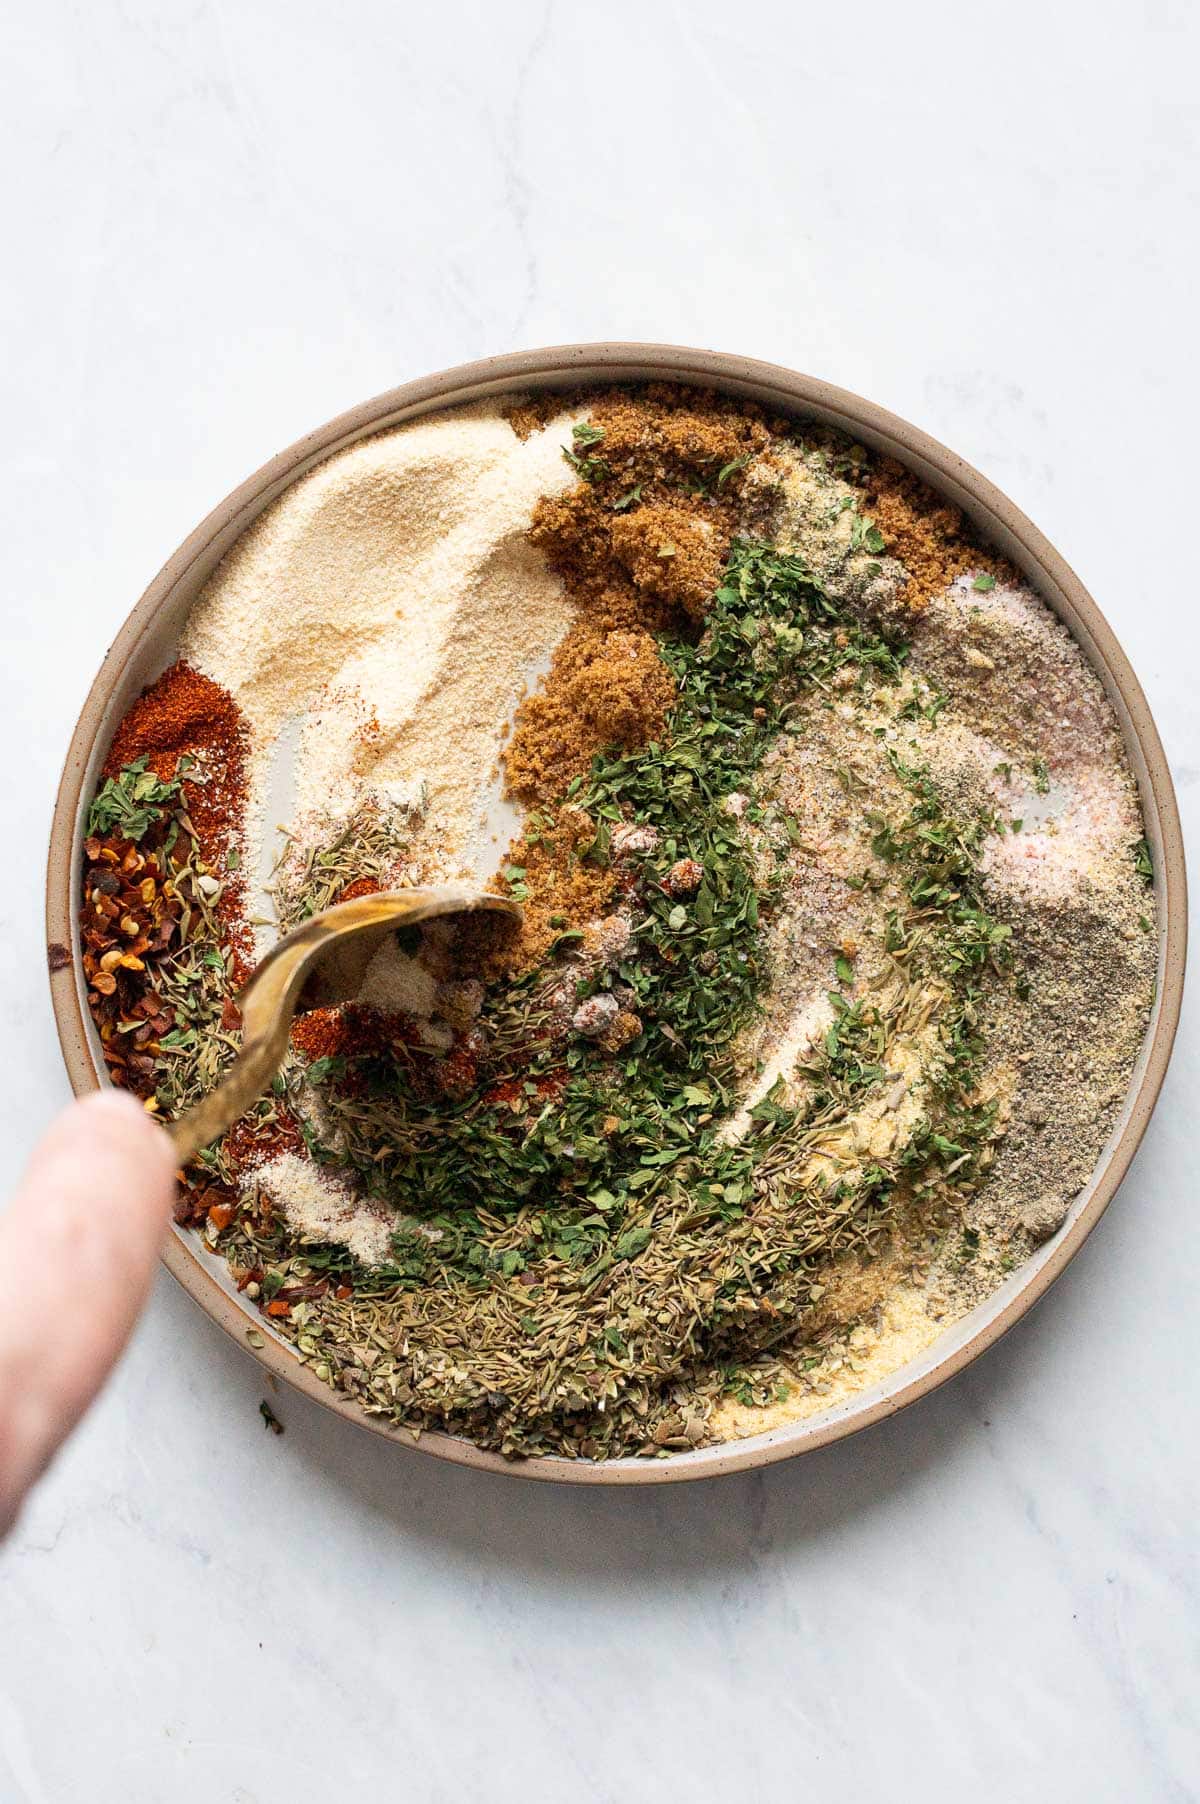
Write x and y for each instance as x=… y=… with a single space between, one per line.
x=279 y=1308
x=129 y=916
x=193 y=1202
x=319 y=1034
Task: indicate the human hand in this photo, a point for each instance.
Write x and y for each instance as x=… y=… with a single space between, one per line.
x=78 y=1246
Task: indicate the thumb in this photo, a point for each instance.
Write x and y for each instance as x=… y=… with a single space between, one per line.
x=78 y=1246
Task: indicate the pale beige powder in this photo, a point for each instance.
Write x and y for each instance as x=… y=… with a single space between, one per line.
x=390 y=604
x=819 y=518
x=318 y=1207
x=870 y=1354
x=396 y=984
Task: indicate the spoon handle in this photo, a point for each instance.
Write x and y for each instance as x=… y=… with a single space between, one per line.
x=243 y=1084
x=269 y=999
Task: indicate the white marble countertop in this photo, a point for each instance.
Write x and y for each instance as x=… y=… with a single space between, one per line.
x=226 y=223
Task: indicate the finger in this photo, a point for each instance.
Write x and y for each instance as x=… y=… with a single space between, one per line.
x=78 y=1246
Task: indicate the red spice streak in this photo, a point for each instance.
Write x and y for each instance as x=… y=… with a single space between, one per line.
x=513 y=1089
x=362 y=886
x=351 y=1032
x=186 y=712
x=256 y=1142
x=457 y=1073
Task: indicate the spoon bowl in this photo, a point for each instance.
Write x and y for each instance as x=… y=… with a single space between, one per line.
x=319 y=964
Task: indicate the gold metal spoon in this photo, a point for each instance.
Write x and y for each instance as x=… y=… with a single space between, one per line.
x=318 y=965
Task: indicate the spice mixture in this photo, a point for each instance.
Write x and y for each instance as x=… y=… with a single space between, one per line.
x=838 y=937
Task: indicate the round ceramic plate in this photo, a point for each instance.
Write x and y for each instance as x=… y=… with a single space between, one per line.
x=147 y=643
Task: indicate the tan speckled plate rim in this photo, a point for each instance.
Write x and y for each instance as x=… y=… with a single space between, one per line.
x=788 y=393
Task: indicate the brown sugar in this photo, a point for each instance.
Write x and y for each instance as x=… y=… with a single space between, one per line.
x=530 y=415
x=679 y=434
x=564 y=889
x=603 y=689
x=639 y=543
x=624 y=690
x=928 y=534
x=672 y=553
x=680 y=450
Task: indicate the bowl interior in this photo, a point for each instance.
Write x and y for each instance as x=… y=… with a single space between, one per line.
x=147 y=644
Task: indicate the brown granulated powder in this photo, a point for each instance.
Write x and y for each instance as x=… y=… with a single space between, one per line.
x=529 y=415
x=563 y=891
x=672 y=554
x=639 y=543
x=682 y=451
x=603 y=689
x=926 y=532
